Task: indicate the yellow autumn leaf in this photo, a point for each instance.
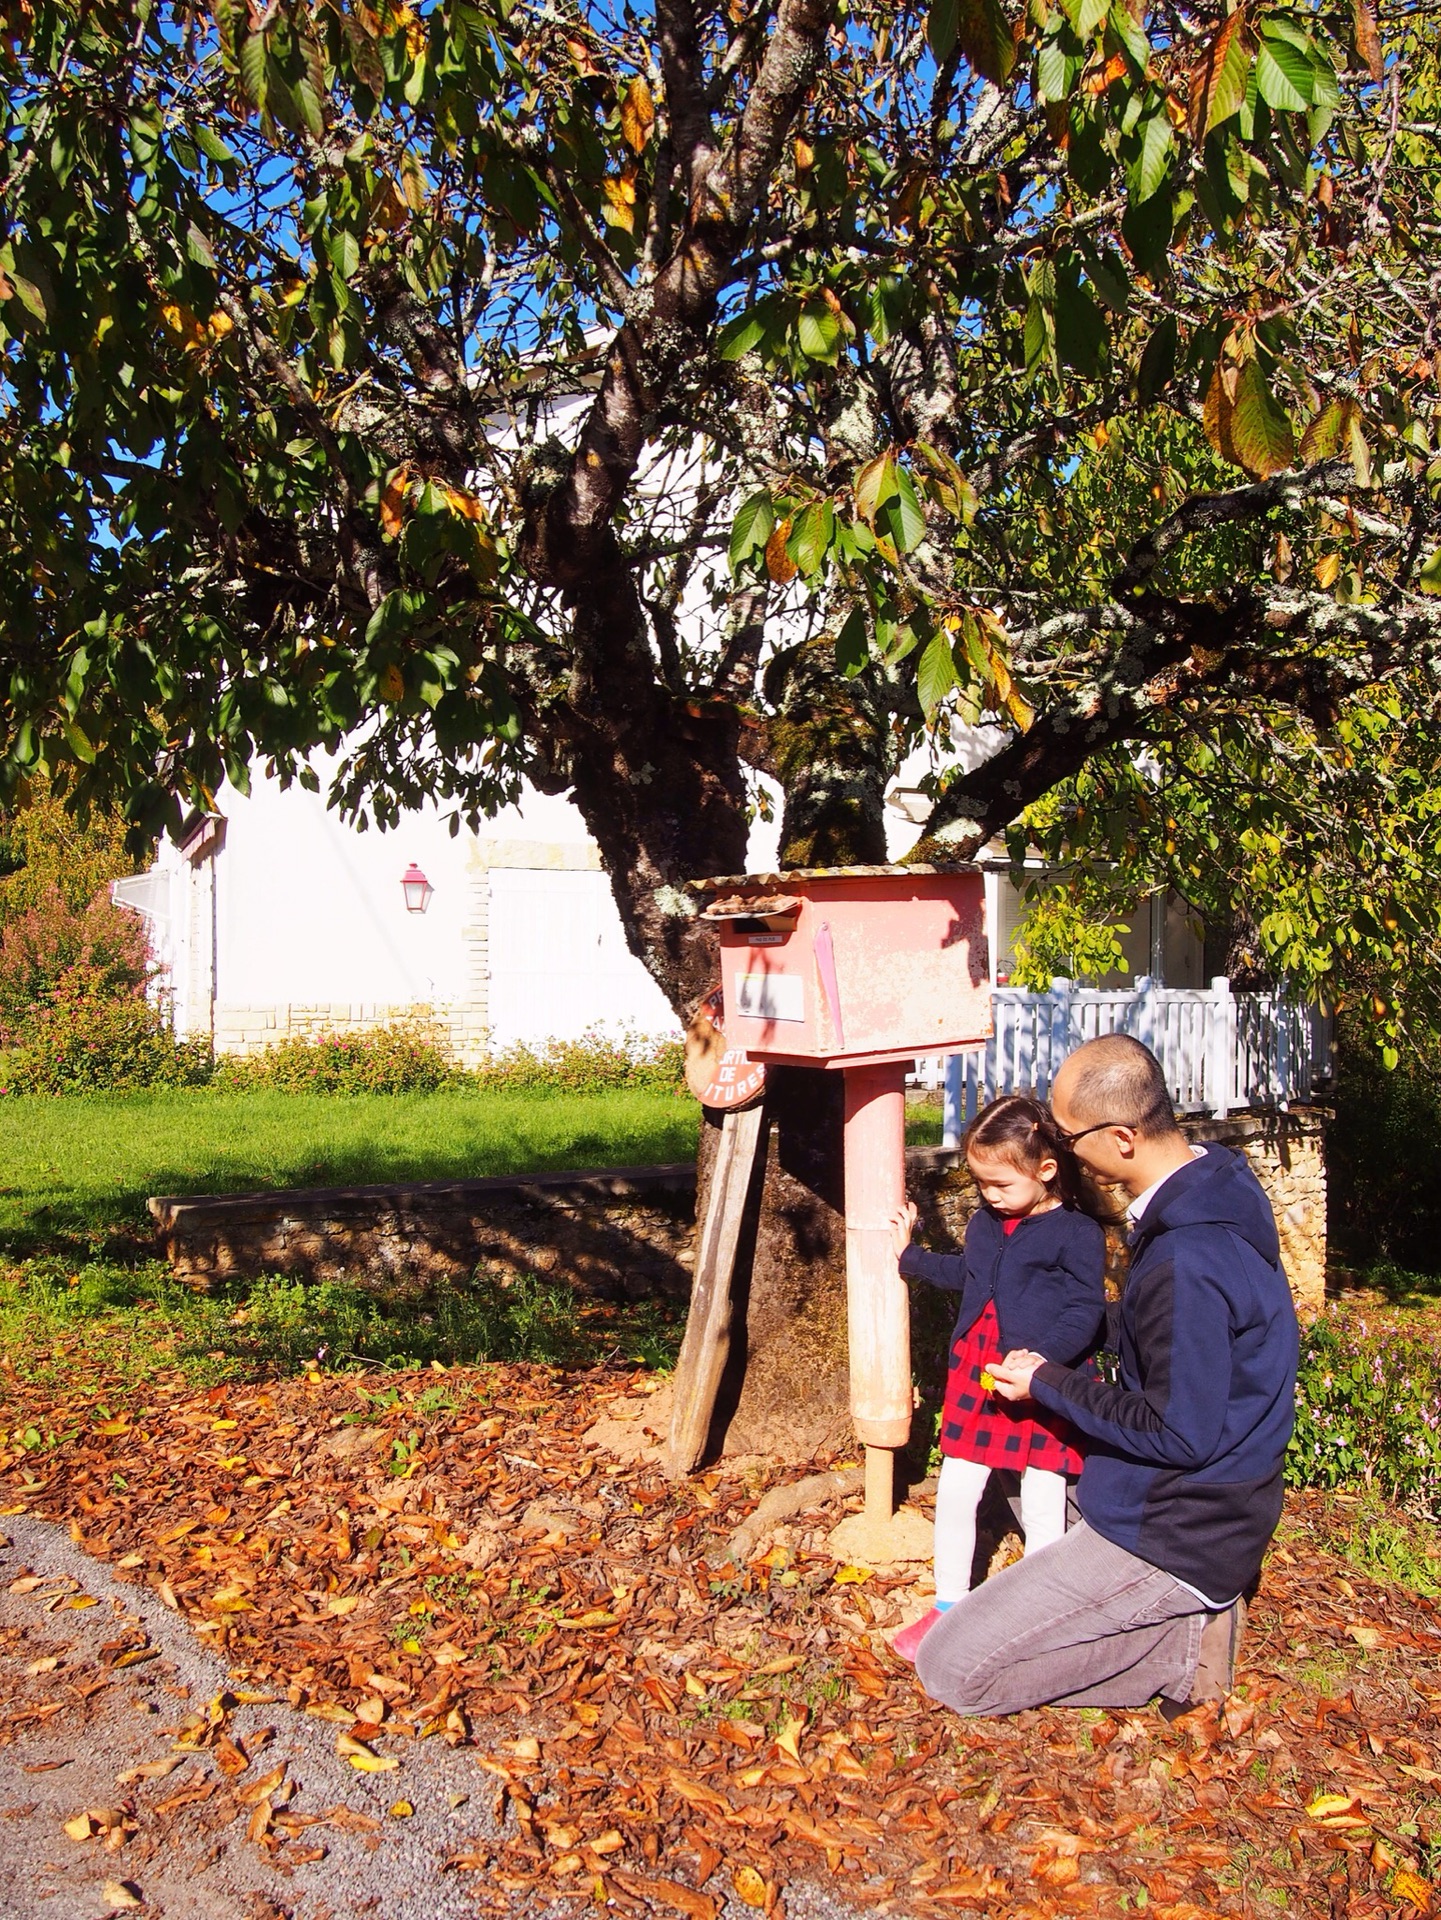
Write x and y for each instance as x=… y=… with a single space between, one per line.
x=468 y=507
x=120 y=1894
x=342 y=1603
x=694 y=1688
x=1328 y=568
x=367 y=1762
x=1367 y=1638
x=852 y=1576
x=751 y=1776
x=392 y=503
x=749 y=1886
x=1336 y=1809
x=637 y=114
x=620 y=200
x=789 y=1738
x=231 y=1600
x=223 y=1426
x=392 y=687
x=597 y=1617
x=1411 y=1887
x=113 y=1426
x=402 y=1810
x=79 y=1827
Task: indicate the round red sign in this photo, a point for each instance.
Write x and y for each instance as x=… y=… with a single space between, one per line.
x=718 y=1075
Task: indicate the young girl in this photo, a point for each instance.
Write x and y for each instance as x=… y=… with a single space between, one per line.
x=1030 y=1277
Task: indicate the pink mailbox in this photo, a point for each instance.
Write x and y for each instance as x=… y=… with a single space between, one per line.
x=851 y=967
x=860 y=968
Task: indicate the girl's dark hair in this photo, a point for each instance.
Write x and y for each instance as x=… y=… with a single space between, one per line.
x=1021 y=1129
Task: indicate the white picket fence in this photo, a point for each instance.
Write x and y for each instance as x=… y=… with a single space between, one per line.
x=1221 y=1051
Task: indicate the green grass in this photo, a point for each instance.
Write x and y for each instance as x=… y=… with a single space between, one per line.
x=75 y=1171
x=84 y=1306
x=107 y=1327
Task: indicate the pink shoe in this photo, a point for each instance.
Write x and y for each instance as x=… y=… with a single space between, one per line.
x=907 y=1642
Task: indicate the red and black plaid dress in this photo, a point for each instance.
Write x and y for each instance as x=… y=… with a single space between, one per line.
x=981 y=1426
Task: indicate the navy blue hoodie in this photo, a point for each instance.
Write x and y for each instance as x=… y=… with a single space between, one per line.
x=1184 y=1455
x=1046 y=1279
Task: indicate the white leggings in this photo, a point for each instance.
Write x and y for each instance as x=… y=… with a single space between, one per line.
x=1043 y=1518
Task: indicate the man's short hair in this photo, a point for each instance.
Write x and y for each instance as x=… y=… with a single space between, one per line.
x=1117 y=1080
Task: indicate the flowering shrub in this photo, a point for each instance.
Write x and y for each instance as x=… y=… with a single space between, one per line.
x=1368 y=1411
x=42 y=942
x=404 y=1056
x=597 y=1062
x=89 y=1038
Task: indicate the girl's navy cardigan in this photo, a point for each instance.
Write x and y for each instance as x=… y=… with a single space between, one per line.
x=1046 y=1279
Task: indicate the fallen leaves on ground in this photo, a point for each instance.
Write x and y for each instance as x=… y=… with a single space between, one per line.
x=446 y=1558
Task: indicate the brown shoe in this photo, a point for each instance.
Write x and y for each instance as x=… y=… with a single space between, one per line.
x=1215 y=1673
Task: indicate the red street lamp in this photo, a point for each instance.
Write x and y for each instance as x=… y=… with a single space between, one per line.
x=416 y=888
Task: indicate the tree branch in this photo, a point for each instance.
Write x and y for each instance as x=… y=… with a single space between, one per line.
x=1302 y=649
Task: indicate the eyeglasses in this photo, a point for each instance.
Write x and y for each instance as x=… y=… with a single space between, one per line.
x=1070 y=1139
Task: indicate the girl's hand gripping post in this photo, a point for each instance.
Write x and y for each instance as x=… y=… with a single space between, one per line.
x=903 y=1225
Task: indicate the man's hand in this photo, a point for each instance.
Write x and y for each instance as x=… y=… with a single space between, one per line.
x=902 y=1224
x=1012 y=1376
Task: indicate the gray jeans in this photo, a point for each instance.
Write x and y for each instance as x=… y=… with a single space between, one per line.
x=1082 y=1623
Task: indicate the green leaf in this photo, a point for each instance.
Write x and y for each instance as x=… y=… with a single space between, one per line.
x=1158 y=361
x=80 y=745
x=1260 y=431
x=213 y=147
x=819 y=332
x=1085 y=15
x=751 y=529
x=1056 y=69
x=942 y=25
x=1146 y=172
x=875 y=484
x=936 y=674
x=344 y=250
x=907 y=521
x=198 y=247
x=1429 y=578
x=254 y=77
x=1080 y=330
x=1283 y=76
x=1323 y=436
x=1039 y=338
x=811 y=536
x=853 y=646
x=984 y=36
x=746 y=332
x=1218 y=80
x=1146 y=229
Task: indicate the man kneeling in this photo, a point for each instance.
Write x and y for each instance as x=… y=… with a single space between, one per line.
x=1181 y=1488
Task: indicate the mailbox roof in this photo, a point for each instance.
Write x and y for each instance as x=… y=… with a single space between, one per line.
x=790 y=875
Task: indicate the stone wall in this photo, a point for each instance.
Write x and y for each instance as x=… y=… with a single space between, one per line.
x=628 y=1232
x=1286 y=1151
x=622 y=1234
x=462 y=1024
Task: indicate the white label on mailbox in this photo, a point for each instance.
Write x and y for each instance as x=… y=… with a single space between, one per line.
x=770 y=996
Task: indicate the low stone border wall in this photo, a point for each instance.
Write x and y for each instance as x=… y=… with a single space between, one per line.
x=623 y=1232
x=627 y=1232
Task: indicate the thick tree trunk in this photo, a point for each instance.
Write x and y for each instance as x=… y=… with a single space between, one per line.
x=784 y=1392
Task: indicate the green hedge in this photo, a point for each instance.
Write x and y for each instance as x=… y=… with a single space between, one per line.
x=1368 y=1409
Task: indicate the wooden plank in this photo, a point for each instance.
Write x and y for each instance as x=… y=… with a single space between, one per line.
x=706 y=1345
